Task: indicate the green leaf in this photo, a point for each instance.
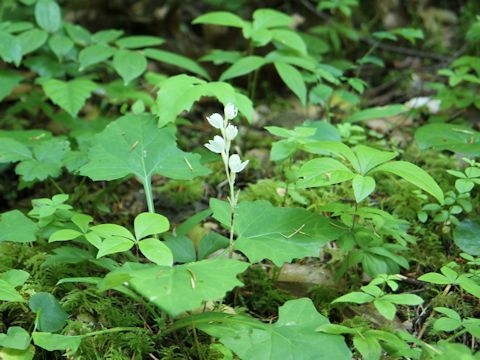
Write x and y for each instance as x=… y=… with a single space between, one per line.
x=414 y=175
x=156 y=251
x=178 y=93
x=277 y=234
x=31 y=40
x=333 y=147
x=377 y=112
x=129 y=64
x=60 y=45
x=136 y=42
x=363 y=186
x=106 y=36
x=16 y=227
x=180 y=61
x=9 y=80
x=222 y=18
x=292 y=337
x=467 y=236
x=244 y=65
x=15 y=277
x=133 y=145
x=52 y=342
x=368 y=347
x=453 y=137
x=78 y=34
x=94 y=54
x=446 y=324
x=69 y=95
x=369 y=158
x=269 y=18
x=46 y=161
x=12 y=151
x=48 y=15
x=50 y=315
x=290 y=39
x=8 y=292
x=355 y=297
x=113 y=245
x=435 y=278
x=323 y=172
x=293 y=79
x=385 y=308
x=403 y=299
x=146 y=224
x=17 y=338
x=10 y=48
x=12 y=354
x=108 y=230
x=188 y=285
x=452 y=314
x=64 y=235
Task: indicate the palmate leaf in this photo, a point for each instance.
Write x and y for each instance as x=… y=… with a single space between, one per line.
x=133 y=145
x=292 y=337
x=178 y=93
x=278 y=234
x=184 y=287
x=69 y=95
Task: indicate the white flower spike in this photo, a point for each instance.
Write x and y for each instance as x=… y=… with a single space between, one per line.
x=217 y=145
x=231 y=132
x=216 y=120
x=236 y=165
x=230 y=111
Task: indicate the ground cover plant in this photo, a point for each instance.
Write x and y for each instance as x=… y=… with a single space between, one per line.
x=238 y=180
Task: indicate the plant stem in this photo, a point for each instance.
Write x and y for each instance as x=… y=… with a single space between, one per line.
x=147 y=186
x=112 y=330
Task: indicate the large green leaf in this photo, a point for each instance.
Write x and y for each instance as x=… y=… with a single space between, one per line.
x=48 y=15
x=290 y=39
x=453 y=137
x=222 y=18
x=467 y=236
x=244 y=65
x=69 y=95
x=16 y=227
x=184 y=287
x=269 y=18
x=180 y=61
x=293 y=79
x=362 y=187
x=129 y=64
x=277 y=234
x=413 y=174
x=12 y=151
x=52 y=342
x=16 y=338
x=178 y=93
x=133 y=145
x=292 y=337
x=369 y=157
x=8 y=292
x=50 y=315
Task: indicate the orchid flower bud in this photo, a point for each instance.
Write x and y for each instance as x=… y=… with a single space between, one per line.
x=236 y=165
x=217 y=145
x=230 y=111
x=216 y=120
x=231 y=132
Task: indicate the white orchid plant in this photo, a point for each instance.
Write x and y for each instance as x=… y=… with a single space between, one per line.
x=221 y=144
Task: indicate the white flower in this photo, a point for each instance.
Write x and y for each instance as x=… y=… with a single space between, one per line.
x=432 y=105
x=230 y=132
x=230 y=111
x=217 y=145
x=216 y=120
x=236 y=165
